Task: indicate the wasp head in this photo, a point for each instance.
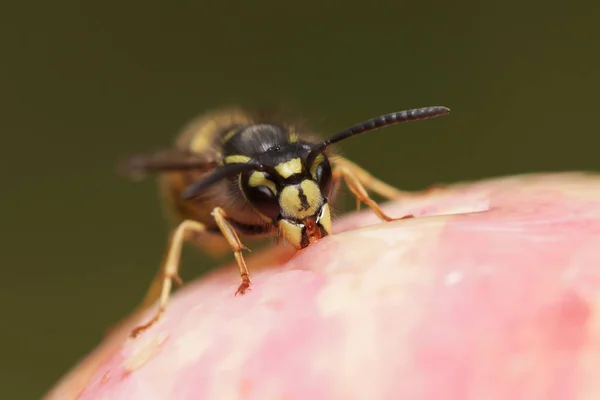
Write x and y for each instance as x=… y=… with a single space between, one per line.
x=291 y=193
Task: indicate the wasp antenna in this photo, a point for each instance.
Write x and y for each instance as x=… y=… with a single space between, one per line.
x=382 y=121
x=416 y=114
x=223 y=172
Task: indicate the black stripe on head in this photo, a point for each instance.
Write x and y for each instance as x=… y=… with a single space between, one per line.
x=303 y=200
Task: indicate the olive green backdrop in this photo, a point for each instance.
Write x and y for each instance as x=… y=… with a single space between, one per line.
x=83 y=83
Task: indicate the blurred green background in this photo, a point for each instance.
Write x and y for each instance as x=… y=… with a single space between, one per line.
x=84 y=83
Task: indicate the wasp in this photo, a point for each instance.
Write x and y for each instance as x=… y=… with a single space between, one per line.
x=233 y=174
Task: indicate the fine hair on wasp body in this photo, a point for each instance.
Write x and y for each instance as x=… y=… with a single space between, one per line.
x=231 y=174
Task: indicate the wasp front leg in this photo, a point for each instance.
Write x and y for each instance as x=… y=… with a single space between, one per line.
x=169 y=271
x=359 y=181
x=234 y=241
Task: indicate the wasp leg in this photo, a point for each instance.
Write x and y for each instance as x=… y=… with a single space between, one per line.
x=170 y=267
x=369 y=181
x=234 y=241
x=168 y=271
x=357 y=188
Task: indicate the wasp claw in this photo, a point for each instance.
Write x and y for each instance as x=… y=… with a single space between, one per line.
x=244 y=286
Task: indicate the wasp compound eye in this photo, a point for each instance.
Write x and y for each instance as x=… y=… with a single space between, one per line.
x=323 y=176
x=261 y=193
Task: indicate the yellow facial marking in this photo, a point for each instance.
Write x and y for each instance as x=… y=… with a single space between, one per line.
x=313 y=168
x=289 y=201
x=325 y=220
x=293 y=137
x=289 y=168
x=291 y=232
x=237 y=159
x=313 y=195
x=300 y=204
x=258 y=179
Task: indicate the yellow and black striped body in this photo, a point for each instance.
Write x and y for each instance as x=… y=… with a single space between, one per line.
x=234 y=136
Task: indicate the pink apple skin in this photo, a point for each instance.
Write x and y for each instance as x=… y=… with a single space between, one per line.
x=491 y=292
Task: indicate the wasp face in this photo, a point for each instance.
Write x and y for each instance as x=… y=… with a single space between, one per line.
x=294 y=195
